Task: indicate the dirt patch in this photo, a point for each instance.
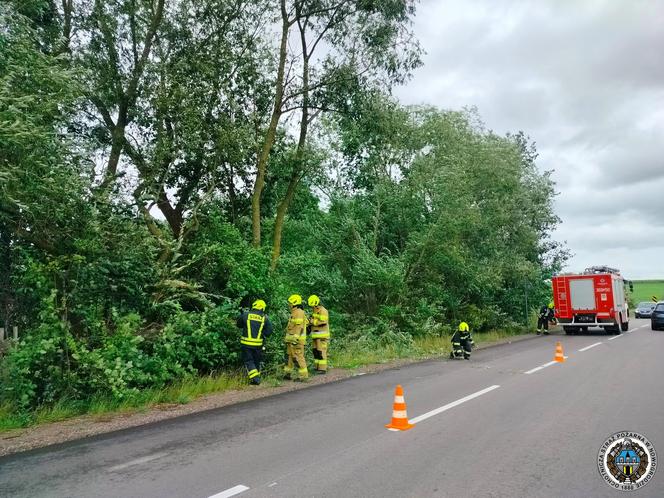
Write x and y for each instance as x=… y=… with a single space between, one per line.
x=91 y=425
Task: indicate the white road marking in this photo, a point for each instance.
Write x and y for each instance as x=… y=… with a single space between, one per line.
x=615 y=337
x=588 y=347
x=643 y=326
x=272 y=485
x=138 y=461
x=452 y=404
x=231 y=492
x=537 y=369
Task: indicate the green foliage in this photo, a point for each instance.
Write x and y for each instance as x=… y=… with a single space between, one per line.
x=126 y=187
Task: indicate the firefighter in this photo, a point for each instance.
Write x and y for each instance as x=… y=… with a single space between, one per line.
x=320 y=333
x=546 y=315
x=462 y=342
x=255 y=326
x=296 y=338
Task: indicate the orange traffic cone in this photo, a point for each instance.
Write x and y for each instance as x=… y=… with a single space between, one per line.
x=399 y=415
x=559 y=356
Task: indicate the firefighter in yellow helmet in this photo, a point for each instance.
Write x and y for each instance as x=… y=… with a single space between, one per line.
x=546 y=315
x=296 y=338
x=462 y=342
x=320 y=333
x=255 y=326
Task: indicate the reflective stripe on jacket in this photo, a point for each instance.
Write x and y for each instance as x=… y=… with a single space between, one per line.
x=459 y=336
x=320 y=323
x=255 y=326
x=296 y=330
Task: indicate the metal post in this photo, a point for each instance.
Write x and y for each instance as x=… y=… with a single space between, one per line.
x=15 y=330
x=525 y=289
x=2 y=333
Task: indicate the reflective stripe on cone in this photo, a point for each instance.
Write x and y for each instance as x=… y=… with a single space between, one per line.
x=399 y=415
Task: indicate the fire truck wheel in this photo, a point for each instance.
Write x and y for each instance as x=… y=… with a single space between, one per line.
x=625 y=326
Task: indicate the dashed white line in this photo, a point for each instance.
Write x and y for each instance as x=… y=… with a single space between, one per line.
x=452 y=404
x=588 y=347
x=537 y=369
x=616 y=337
x=138 y=461
x=236 y=490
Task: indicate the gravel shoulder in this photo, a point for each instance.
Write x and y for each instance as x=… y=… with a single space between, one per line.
x=91 y=425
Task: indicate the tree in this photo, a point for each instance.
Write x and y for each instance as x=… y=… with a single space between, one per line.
x=365 y=42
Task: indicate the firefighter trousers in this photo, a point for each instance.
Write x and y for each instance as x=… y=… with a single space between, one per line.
x=460 y=348
x=252 y=357
x=320 y=354
x=542 y=323
x=295 y=354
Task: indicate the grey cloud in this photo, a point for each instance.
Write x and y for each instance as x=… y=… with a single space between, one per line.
x=585 y=80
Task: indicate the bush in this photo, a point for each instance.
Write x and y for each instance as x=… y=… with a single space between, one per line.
x=51 y=364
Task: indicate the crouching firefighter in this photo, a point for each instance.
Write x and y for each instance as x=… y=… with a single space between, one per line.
x=320 y=333
x=295 y=339
x=462 y=342
x=255 y=326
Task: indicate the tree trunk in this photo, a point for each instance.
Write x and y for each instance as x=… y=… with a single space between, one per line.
x=282 y=209
x=271 y=131
x=117 y=144
x=173 y=216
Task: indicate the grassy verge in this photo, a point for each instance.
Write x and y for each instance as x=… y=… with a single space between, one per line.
x=644 y=290
x=349 y=357
x=181 y=393
x=422 y=348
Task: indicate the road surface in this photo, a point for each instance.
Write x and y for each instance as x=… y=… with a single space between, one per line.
x=536 y=435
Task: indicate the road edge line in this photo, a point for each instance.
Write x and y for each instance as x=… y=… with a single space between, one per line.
x=235 y=490
x=453 y=404
x=588 y=347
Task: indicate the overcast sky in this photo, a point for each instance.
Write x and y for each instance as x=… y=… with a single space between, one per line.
x=583 y=78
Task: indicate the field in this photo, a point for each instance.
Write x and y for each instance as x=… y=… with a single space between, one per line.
x=645 y=289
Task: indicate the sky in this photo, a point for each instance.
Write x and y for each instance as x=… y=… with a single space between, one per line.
x=585 y=80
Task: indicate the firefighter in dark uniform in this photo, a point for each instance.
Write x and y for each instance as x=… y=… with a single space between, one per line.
x=255 y=326
x=546 y=315
x=462 y=342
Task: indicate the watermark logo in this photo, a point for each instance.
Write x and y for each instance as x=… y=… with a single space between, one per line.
x=627 y=461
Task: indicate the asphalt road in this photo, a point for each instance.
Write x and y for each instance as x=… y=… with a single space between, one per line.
x=536 y=435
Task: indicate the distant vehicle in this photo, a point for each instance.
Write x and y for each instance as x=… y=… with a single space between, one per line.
x=644 y=309
x=594 y=298
x=657 y=316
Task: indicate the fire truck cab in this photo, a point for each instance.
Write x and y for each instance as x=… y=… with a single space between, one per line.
x=594 y=298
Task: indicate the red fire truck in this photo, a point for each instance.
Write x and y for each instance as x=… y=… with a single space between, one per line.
x=594 y=298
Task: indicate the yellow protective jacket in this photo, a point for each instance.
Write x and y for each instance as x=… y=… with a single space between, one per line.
x=296 y=330
x=320 y=323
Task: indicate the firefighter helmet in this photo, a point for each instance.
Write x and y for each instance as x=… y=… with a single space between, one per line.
x=463 y=327
x=258 y=304
x=313 y=300
x=295 y=300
